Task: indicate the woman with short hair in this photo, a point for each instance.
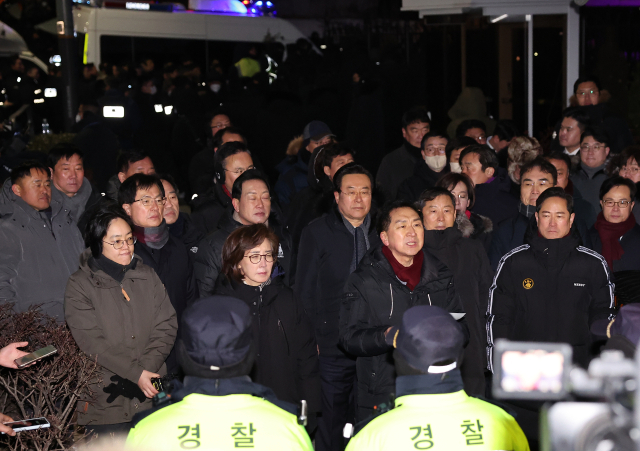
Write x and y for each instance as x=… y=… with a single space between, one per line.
x=119 y=313
x=287 y=357
x=470 y=224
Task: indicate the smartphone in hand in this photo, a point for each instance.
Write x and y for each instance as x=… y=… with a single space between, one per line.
x=28 y=425
x=35 y=356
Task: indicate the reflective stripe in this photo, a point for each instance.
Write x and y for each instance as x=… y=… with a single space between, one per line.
x=490 y=316
x=612 y=286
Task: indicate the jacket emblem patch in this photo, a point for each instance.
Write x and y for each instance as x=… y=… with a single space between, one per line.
x=576 y=284
x=527 y=284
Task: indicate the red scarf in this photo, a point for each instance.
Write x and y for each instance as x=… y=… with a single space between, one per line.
x=409 y=275
x=610 y=236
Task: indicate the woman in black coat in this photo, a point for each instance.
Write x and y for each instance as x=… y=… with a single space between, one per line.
x=287 y=357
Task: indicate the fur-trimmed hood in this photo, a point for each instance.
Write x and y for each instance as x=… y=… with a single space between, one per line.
x=473 y=226
x=295 y=145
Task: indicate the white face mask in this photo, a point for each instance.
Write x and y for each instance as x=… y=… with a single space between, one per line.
x=215 y=87
x=153 y=90
x=78 y=117
x=436 y=163
x=455 y=167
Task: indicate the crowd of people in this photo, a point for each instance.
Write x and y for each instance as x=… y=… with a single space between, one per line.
x=306 y=309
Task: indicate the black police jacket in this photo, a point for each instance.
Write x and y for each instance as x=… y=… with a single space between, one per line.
x=549 y=291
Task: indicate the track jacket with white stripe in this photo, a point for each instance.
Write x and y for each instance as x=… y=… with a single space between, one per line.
x=549 y=291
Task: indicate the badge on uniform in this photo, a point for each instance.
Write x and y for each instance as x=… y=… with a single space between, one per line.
x=527 y=284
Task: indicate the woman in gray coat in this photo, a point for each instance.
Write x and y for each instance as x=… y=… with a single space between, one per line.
x=118 y=312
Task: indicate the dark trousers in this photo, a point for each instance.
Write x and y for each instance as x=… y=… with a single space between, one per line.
x=338 y=376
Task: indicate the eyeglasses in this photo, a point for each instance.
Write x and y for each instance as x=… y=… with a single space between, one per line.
x=587 y=93
x=594 y=148
x=631 y=169
x=118 y=244
x=148 y=201
x=622 y=204
x=255 y=258
x=221 y=125
x=461 y=196
x=239 y=171
x=353 y=194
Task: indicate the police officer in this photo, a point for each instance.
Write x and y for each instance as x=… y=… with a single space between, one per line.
x=432 y=409
x=218 y=407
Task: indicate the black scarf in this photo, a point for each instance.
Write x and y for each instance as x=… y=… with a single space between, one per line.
x=113 y=269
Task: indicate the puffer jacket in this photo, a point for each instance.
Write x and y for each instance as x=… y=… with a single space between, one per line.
x=375 y=300
x=127 y=336
x=550 y=291
x=37 y=256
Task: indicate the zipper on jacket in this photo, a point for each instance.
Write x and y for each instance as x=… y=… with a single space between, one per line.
x=284 y=332
x=259 y=306
x=391 y=290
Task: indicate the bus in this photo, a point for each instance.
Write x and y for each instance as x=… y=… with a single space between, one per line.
x=120 y=34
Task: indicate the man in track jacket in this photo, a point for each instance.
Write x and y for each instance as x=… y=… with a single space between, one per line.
x=550 y=289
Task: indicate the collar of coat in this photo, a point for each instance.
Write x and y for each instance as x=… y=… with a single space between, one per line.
x=437 y=239
x=231 y=287
x=338 y=221
x=99 y=278
x=553 y=252
x=429 y=384
x=241 y=385
x=233 y=386
x=431 y=268
x=24 y=213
